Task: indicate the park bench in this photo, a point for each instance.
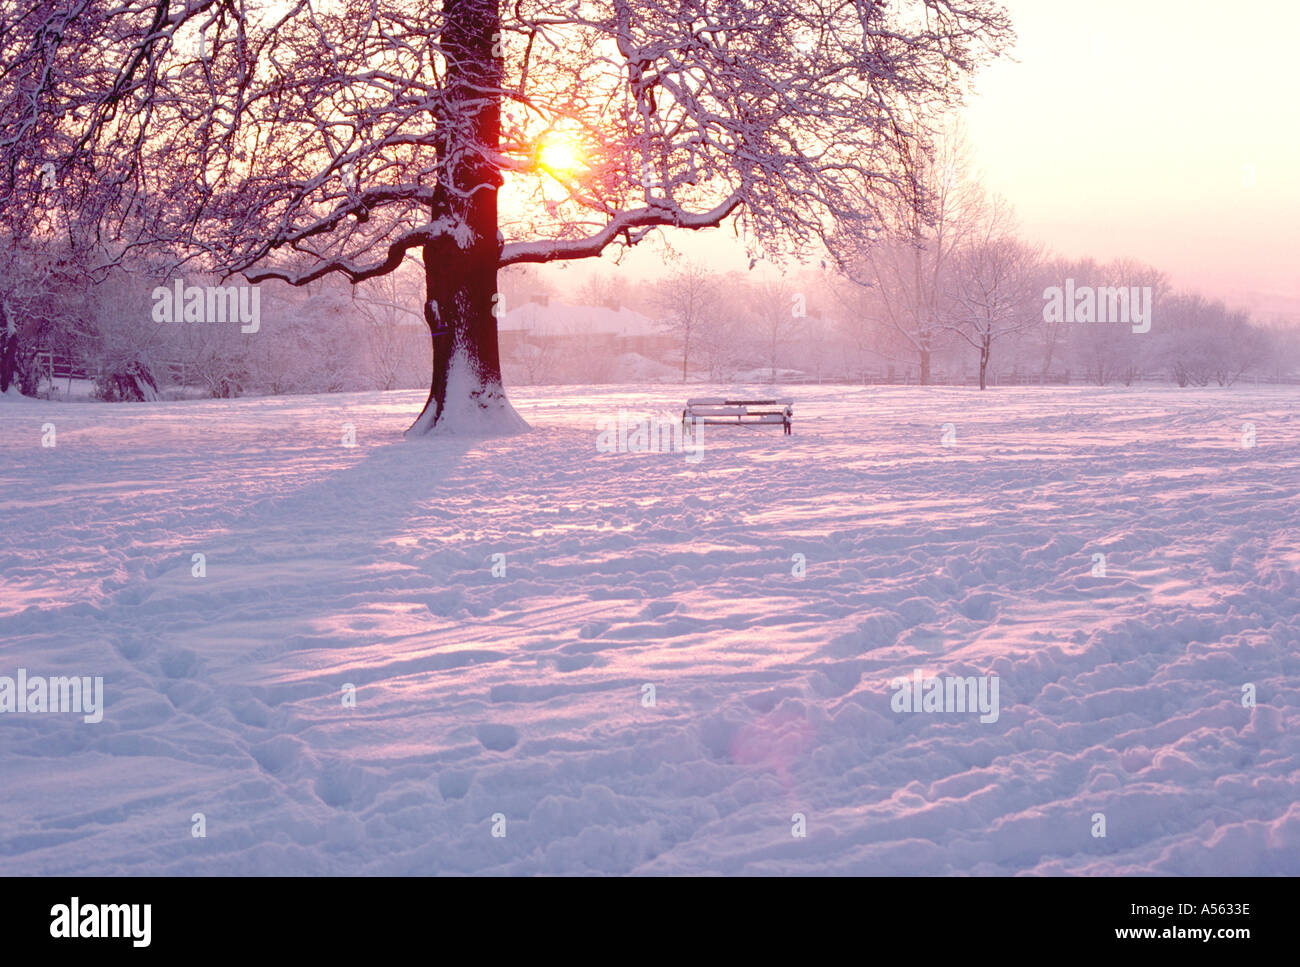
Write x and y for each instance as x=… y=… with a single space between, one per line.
x=715 y=411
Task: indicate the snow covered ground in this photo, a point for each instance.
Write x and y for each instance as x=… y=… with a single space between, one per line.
x=515 y=702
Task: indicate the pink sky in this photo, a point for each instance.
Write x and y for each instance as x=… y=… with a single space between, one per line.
x=1165 y=130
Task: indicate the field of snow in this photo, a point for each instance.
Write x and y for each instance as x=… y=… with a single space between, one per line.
x=516 y=702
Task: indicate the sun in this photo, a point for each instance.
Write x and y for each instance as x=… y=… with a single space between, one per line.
x=560 y=156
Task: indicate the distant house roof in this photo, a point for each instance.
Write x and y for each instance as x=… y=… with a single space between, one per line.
x=562 y=319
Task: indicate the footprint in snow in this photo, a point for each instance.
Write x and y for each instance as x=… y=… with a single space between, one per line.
x=498 y=738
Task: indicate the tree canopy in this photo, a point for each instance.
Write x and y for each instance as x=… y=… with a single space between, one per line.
x=295 y=139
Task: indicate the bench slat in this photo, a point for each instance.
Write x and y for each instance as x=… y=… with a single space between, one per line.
x=721 y=421
x=714 y=411
x=718 y=401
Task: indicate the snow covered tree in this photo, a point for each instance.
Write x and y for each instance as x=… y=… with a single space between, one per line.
x=389 y=305
x=299 y=139
x=906 y=264
x=992 y=286
x=41 y=308
x=1104 y=353
x=777 y=311
x=689 y=300
x=1202 y=340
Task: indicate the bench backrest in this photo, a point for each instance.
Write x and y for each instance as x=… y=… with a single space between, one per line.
x=719 y=401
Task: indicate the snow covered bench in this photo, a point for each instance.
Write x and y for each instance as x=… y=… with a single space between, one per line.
x=712 y=411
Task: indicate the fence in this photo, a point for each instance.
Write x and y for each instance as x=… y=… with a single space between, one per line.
x=1012 y=379
x=936 y=379
x=54 y=365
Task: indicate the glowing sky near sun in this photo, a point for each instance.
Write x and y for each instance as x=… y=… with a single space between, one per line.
x=1162 y=130
x=1167 y=130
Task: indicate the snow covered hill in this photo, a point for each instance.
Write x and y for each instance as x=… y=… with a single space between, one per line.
x=501 y=607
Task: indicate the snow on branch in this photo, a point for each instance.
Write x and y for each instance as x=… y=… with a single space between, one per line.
x=622 y=224
x=323 y=134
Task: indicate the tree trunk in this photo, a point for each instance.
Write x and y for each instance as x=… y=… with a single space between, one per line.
x=925 y=367
x=460 y=268
x=984 y=364
x=8 y=352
